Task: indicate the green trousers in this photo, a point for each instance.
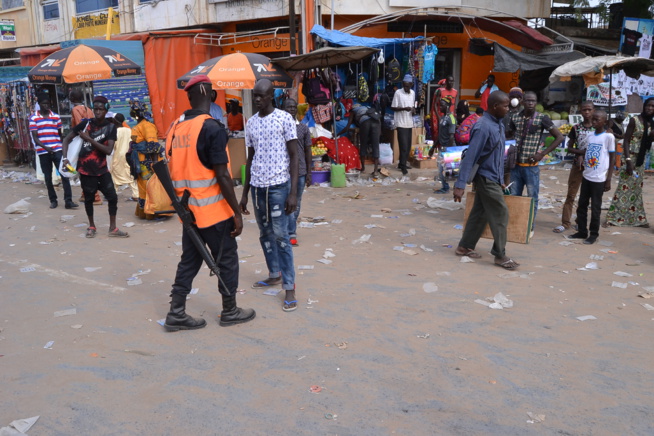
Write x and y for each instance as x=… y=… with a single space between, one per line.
x=489 y=208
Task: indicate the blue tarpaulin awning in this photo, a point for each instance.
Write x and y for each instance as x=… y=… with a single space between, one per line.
x=11 y=74
x=346 y=40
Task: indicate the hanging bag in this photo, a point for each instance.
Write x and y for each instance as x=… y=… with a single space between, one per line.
x=314 y=90
x=322 y=112
x=394 y=72
x=363 y=92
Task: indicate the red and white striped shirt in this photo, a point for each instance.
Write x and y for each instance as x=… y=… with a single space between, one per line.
x=47 y=129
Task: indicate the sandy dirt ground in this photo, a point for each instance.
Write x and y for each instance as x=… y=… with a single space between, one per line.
x=388 y=356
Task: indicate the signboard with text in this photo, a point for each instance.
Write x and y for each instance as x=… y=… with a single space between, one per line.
x=599 y=94
x=92 y=25
x=7 y=30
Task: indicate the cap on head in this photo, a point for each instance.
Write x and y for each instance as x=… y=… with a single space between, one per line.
x=516 y=92
x=201 y=78
x=408 y=78
x=101 y=99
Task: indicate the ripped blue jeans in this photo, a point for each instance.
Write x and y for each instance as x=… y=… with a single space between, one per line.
x=269 y=204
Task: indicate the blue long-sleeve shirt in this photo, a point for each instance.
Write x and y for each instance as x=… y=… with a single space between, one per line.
x=486 y=134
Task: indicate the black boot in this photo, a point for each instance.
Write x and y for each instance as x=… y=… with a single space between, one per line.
x=234 y=315
x=177 y=319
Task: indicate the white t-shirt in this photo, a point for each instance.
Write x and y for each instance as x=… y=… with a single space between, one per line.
x=596 y=162
x=645 y=50
x=403 y=99
x=268 y=136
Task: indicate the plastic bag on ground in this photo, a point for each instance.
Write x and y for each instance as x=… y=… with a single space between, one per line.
x=21 y=206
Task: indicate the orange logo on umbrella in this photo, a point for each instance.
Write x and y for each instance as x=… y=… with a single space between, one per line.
x=52 y=62
x=200 y=69
x=114 y=58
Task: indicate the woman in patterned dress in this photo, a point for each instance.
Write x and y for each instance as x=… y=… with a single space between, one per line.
x=627 y=207
x=146 y=146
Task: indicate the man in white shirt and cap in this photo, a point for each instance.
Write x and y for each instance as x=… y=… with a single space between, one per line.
x=403 y=104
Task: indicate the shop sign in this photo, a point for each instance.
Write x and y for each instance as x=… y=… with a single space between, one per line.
x=554 y=48
x=7 y=30
x=599 y=95
x=261 y=44
x=91 y=25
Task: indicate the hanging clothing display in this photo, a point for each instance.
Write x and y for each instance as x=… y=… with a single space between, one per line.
x=429 y=62
x=631 y=38
x=645 y=46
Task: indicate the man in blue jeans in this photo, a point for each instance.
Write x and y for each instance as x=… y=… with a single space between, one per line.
x=304 y=166
x=527 y=127
x=45 y=127
x=272 y=172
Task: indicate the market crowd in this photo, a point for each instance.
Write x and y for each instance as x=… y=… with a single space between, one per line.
x=105 y=152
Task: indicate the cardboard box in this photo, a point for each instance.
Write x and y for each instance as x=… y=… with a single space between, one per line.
x=521 y=217
x=237 y=156
x=423 y=163
x=390 y=136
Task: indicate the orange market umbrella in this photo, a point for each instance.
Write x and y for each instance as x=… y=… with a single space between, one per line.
x=82 y=63
x=239 y=71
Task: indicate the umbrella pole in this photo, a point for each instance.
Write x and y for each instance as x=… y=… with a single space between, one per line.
x=610 y=92
x=331 y=85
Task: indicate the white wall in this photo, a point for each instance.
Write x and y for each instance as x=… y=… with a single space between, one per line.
x=167 y=14
x=520 y=8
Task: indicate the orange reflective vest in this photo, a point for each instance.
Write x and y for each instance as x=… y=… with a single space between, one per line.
x=188 y=173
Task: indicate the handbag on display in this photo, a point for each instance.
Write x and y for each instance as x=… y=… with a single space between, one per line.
x=322 y=112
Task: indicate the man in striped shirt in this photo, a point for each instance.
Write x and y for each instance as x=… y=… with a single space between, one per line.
x=45 y=127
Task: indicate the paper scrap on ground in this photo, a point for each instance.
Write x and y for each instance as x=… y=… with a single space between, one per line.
x=622 y=274
x=92 y=268
x=49 y=345
x=596 y=257
x=589 y=266
x=129 y=224
x=499 y=301
x=28 y=269
x=467 y=259
x=161 y=321
x=586 y=317
x=362 y=239
x=194 y=291
x=76 y=326
x=429 y=287
x=133 y=281
x=18 y=427
x=428 y=250
x=272 y=292
x=619 y=285
x=535 y=418
x=435 y=203
x=304 y=267
x=648 y=306
x=516 y=274
x=327 y=254
x=65 y=312
x=325 y=261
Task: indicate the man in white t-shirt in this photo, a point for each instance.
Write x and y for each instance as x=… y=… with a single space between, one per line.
x=598 y=169
x=272 y=172
x=403 y=104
